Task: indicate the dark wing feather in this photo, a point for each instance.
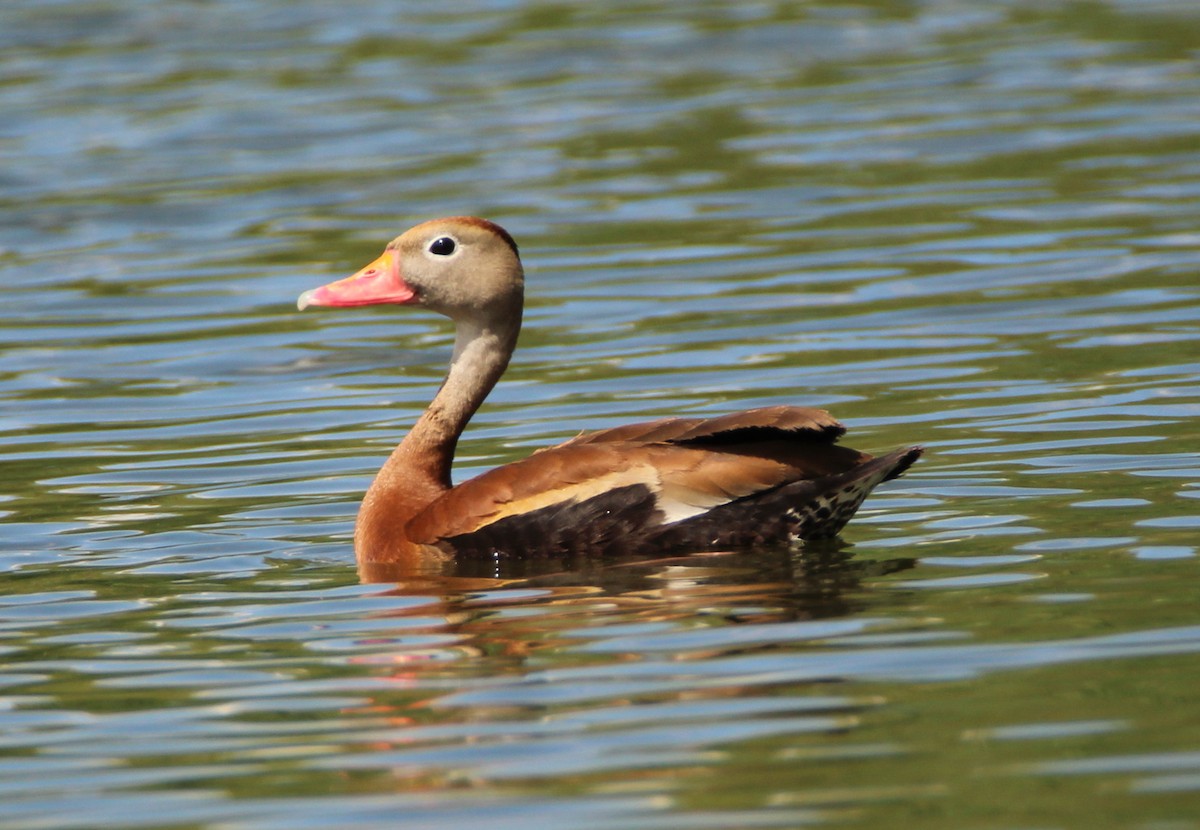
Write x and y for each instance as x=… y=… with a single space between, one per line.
x=785 y=422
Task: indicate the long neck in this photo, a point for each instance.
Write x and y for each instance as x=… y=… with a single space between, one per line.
x=481 y=355
x=418 y=470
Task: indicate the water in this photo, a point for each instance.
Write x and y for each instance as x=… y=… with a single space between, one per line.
x=970 y=225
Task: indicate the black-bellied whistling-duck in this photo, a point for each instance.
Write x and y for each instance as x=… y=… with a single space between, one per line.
x=761 y=476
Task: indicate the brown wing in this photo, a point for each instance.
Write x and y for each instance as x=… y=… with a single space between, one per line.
x=682 y=467
x=543 y=479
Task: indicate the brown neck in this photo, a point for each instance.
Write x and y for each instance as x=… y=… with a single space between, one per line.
x=418 y=470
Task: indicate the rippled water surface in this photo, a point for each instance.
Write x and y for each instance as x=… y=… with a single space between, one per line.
x=971 y=225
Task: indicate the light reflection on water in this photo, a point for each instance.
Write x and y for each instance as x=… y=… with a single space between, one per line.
x=966 y=225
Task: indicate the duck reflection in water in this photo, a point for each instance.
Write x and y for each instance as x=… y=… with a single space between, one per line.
x=507 y=620
x=824 y=580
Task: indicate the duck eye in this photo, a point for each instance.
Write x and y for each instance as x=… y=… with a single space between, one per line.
x=442 y=246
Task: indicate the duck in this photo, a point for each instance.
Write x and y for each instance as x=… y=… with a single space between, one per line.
x=766 y=476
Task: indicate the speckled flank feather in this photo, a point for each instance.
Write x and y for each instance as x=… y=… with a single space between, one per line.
x=824 y=516
x=810 y=509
